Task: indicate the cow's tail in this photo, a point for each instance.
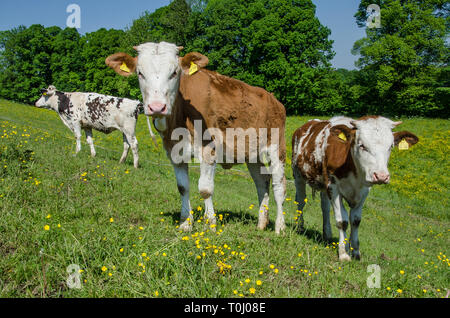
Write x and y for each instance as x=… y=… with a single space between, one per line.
x=151 y=131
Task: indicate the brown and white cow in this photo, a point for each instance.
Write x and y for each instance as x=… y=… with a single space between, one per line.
x=344 y=158
x=89 y=111
x=185 y=98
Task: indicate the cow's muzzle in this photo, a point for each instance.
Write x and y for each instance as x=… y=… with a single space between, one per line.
x=156 y=109
x=380 y=178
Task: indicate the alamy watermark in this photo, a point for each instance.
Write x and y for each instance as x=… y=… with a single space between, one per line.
x=74 y=278
x=74 y=18
x=229 y=146
x=374 y=18
x=374 y=279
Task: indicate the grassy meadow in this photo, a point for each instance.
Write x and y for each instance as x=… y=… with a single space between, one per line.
x=119 y=225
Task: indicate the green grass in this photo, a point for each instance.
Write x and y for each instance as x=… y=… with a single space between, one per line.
x=405 y=225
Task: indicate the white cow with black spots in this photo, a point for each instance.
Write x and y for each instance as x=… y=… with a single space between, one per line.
x=89 y=111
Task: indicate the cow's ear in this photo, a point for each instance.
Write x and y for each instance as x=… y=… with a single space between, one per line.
x=122 y=63
x=192 y=62
x=409 y=137
x=338 y=148
x=343 y=134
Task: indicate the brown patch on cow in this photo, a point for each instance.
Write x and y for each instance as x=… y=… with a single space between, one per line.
x=119 y=101
x=410 y=138
x=306 y=156
x=336 y=161
x=95 y=108
x=219 y=102
x=339 y=161
x=64 y=104
x=369 y=117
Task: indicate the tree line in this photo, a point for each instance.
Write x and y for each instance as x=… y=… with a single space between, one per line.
x=279 y=45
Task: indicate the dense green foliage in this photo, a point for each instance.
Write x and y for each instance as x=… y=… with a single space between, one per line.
x=276 y=44
x=403 y=62
x=35 y=57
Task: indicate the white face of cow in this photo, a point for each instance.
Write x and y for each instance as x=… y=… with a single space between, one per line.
x=46 y=100
x=159 y=72
x=159 y=69
x=374 y=141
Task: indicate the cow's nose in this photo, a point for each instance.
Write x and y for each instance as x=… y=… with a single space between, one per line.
x=381 y=177
x=157 y=109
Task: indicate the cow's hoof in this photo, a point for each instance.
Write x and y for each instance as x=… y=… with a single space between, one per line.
x=211 y=223
x=279 y=228
x=186 y=226
x=344 y=258
x=356 y=255
x=263 y=220
x=327 y=239
x=262 y=224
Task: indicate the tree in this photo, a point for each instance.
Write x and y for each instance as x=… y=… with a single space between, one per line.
x=97 y=76
x=66 y=66
x=276 y=44
x=170 y=23
x=401 y=61
x=25 y=56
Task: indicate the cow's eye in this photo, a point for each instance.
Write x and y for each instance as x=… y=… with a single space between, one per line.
x=362 y=147
x=173 y=75
x=141 y=75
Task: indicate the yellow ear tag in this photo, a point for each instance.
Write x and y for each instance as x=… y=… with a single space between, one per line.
x=403 y=145
x=342 y=136
x=44 y=93
x=193 y=68
x=124 y=68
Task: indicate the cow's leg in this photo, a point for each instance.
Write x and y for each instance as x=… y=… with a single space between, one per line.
x=89 y=140
x=134 y=149
x=355 y=220
x=326 y=225
x=300 y=196
x=279 y=189
x=130 y=140
x=262 y=183
x=206 y=189
x=341 y=216
x=77 y=132
x=126 y=147
x=182 y=175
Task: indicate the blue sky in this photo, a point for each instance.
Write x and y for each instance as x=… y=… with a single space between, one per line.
x=95 y=14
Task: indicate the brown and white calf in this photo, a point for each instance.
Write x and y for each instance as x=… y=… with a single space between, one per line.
x=184 y=98
x=89 y=111
x=344 y=158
